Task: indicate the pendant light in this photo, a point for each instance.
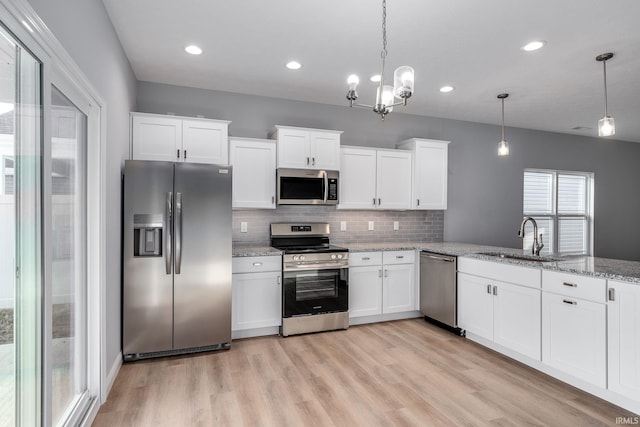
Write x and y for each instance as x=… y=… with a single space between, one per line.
x=403 y=81
x=503 y=145
x=606 y=125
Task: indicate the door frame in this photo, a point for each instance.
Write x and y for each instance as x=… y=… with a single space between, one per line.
x=60 y=69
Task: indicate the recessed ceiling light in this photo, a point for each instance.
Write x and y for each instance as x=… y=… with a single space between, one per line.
x=445 y=89
x=534 y=45
x=376 y=78
x=193 y=49
x=294 y=65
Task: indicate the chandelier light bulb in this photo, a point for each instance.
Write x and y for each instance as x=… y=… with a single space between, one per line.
x=353 y=81
x=403 y=79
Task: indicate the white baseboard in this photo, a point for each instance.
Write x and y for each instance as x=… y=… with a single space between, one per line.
x=111 y=376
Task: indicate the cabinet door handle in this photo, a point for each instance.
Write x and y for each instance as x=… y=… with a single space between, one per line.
x=489 y=289
x=307 y=161
x=571 y=285
x=612 y=294
x=495 y=290
x=257 y=264
x=374 y=201
x=568 y=301
x=178 y=153
x=273 y=199
x=379 y=273
x=386 y=273
x=279 y=280
x=417 y=202
x=313 y=161
x=185 y=154
x=379 y=201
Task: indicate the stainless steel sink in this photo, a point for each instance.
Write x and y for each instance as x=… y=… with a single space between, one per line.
x=521 y=257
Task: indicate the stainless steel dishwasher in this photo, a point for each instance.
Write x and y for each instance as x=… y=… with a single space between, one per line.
x=438 y=289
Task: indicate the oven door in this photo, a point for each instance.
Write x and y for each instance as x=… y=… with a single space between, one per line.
x=318 y=291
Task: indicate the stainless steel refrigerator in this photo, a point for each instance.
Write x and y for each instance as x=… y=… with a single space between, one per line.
x=176 y=295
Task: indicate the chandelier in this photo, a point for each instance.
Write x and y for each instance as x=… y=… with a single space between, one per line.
x=403 y=79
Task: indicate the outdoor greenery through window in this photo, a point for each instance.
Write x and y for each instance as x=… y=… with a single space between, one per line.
x=562 y=205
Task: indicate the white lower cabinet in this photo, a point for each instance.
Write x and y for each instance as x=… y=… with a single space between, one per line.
x=257 y=293
x=505 y=313
x=574 y=326
x=574 y=337
x=623 y=315
x=381 y=283
x=365 y=296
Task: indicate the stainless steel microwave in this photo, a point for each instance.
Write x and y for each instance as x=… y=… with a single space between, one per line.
x=307 y=187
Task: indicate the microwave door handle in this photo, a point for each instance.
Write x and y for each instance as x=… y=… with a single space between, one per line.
x=326 y=185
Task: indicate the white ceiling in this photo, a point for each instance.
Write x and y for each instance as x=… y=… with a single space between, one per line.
x=470 y=44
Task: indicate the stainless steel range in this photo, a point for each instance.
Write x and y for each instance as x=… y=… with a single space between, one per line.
x=316 y=278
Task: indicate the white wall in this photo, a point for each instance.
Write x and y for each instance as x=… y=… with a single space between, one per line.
x=84 y=29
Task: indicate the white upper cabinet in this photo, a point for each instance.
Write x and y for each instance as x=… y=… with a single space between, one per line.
x=373 y=178
x=254 y=171
x=393 y=179
x=179 y=139
x=358 y=178
x=303 y=148
x=156 y=137
x=430 y=168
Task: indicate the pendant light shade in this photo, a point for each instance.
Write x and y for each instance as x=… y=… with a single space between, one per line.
x=503 y=145
x=606 y=125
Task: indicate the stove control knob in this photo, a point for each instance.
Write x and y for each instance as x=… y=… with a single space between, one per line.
x=333 y=256
x=340 y=256
x=302 y=257
x=295 y=257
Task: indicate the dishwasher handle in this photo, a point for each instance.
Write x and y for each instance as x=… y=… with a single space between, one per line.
x=436 y=257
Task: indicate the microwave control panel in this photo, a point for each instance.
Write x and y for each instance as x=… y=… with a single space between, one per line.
x=333 y=189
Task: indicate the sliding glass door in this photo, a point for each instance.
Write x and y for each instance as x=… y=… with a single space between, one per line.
x=21 y=231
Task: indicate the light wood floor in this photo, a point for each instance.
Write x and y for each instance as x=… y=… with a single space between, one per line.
x=404 y=373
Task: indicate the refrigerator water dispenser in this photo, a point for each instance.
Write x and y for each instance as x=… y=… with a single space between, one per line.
x=147 y=235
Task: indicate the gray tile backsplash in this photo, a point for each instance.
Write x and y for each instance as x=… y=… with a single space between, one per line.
x=415 y=226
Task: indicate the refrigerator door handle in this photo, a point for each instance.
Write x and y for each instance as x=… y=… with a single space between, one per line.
x=178 y=232
x=167 y=235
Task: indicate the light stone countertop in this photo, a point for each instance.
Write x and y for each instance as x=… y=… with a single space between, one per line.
x=627 y=271
x=243 y=251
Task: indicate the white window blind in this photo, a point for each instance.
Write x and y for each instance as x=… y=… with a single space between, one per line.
x=560 y=202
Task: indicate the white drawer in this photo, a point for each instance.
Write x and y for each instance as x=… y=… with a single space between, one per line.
x=503 y=272
x=398 y=257
x=358 y=259
x=256 y=264
x=575 y=285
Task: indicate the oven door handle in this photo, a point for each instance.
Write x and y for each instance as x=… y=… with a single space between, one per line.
x=319 y=266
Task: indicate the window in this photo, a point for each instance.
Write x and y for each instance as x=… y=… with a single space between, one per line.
x=562 y=205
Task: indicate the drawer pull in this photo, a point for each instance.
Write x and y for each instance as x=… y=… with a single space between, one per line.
x=569 y=284
x=399 y=256
x=568 y=301
x=366 y=258
x=257 y=264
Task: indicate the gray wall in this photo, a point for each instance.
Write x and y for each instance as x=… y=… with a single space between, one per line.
x=485 y=192
x=84 y=29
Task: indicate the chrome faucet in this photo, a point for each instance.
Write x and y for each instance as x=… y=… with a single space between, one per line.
x=537 y=245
